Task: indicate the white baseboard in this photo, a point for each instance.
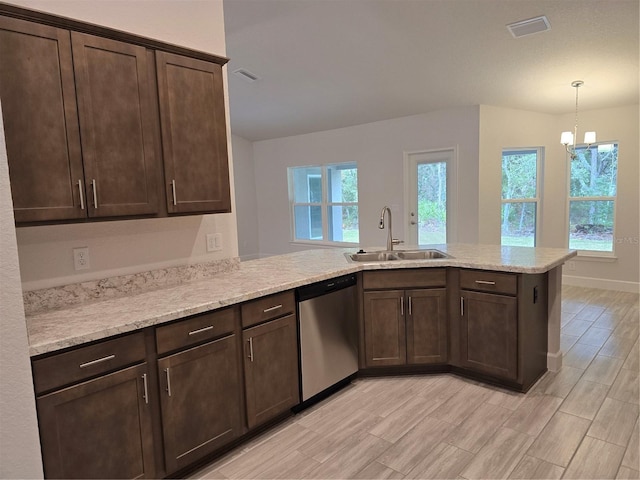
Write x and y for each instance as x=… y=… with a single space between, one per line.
x=554 y=361
x=602 y=283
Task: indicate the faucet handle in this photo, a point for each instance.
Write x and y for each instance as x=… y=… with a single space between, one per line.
x=396 y=241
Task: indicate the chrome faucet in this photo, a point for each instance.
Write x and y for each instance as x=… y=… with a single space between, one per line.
x=390 y=240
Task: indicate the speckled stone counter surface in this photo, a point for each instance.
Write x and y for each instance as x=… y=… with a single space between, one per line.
x=94 y=320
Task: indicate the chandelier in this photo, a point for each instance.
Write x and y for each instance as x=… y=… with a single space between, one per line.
x=568 y=139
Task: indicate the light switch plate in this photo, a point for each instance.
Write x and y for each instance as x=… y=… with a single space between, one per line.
x=214 y=242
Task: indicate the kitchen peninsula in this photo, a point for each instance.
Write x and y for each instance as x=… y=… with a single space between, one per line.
x=80 y=323
x=195 y=368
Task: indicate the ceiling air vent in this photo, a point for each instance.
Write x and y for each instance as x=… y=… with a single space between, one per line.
x=246 y=75
x=529 y=27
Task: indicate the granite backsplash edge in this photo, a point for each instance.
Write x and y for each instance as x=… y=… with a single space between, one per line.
x=55 y=298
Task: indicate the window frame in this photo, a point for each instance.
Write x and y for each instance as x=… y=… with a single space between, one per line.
x=324 y=205
x=604 y=254
x=537 y=200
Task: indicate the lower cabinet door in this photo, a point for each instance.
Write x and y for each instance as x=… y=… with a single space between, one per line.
x=427 y=326
x=200 y=398
x=98 y=429
x=489 y=334
x=271 y=369
x=384 y=328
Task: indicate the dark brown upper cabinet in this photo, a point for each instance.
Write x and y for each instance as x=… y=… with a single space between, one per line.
x=40 y=119
x=194 y=136
x=115 y=101
x=84 y=108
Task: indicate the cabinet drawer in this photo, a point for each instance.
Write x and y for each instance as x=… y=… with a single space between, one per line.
x=493 y=282
x=85 y=362
x=266 y=308
x=405 y=278
x=195 y=329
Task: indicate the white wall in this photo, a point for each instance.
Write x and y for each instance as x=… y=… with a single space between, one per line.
x=246 y=200
x=621 y=125
x=480 y=134
x=378 y=150
x=507 y=128
x=503 y=128
x=122 y=247
x=19 y=443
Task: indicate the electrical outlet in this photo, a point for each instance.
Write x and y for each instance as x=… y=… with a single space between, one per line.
x=81 y=258
x=214 y=242
x=571 y=265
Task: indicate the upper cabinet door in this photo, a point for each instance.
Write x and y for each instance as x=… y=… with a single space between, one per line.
x=115 y=100
x=194 y=138
x=40 y=122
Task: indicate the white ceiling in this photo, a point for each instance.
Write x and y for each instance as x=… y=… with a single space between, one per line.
x=327 y=64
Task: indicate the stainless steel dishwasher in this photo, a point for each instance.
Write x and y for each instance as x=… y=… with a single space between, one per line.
x=328 y=324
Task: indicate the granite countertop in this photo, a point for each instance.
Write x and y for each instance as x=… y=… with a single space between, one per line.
x=54 y=330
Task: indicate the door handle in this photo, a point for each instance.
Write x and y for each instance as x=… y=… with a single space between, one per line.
x=81 y=195
x=250 y=356
x=145 y=395
x=166 y=371
x=95 y=193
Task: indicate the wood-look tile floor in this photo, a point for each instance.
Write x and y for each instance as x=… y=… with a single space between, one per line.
x=581 y=422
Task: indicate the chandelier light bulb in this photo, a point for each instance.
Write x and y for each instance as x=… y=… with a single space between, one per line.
x=566 y=138
x=589 y=137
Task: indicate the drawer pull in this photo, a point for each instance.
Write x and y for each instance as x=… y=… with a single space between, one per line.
x=200 y=330
x=98 y=360
x=145 y=395
x=485 y=282
x=166 y=371
x=271 y=309
x=462 y=306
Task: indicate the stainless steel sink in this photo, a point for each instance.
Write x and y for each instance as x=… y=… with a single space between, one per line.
x=384 y=256
x=421 y=254
x=389 y=255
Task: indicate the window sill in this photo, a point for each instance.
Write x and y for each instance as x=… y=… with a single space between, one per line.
x=596 y=257
x=324 y=244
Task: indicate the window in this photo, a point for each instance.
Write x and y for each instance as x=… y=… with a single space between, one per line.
x=324 y=203
x=592 y=197
x=520 y=196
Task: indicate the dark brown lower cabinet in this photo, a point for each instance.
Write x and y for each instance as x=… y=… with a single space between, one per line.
x=405 y=327
x=427 y=326
x=100 y=428
x=270 y=369
x=200 y=397
x=384 y=330
x=489 y=334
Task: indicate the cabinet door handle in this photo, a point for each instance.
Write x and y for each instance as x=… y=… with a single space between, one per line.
x=200 y=330
x=462 y=306
x=95 y=193
x=402 y=306
x=166 y=371
x=81 y=195
x=271 y=309
x=98 y=360
x=250 y=348
x=173 y=191
x=145 y=395
x=485 y=282
x=410 y=306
